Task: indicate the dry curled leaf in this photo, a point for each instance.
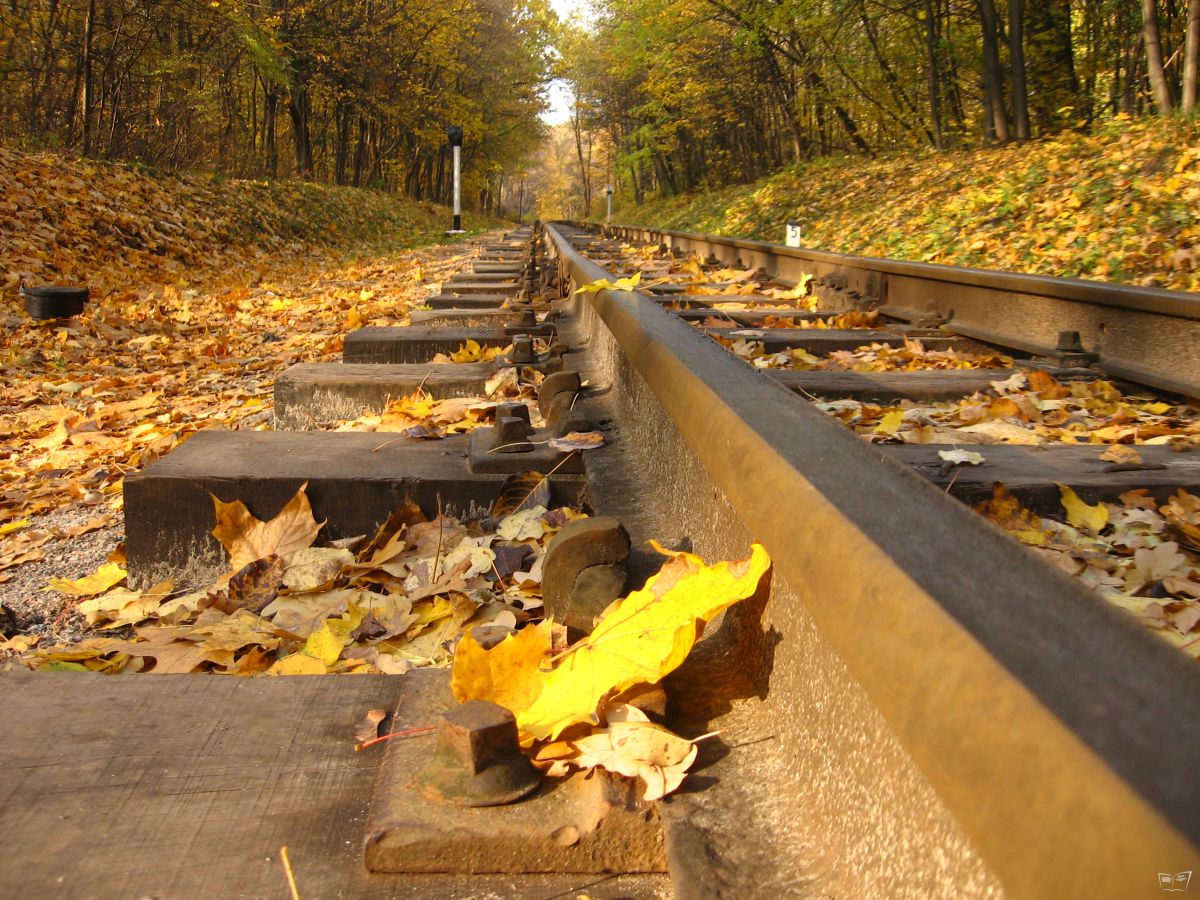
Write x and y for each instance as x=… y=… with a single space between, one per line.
x=256 y=584
x=961 y=457
x=1006 y=511
x=578 y=440
x=1182 y=513
x=521 y=491
x=1122 y=454
x=368 y=728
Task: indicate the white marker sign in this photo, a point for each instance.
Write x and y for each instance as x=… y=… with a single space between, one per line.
x=792 y=238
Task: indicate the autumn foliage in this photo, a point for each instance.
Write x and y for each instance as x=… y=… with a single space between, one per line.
x=116 y=228
x=202 y=291
x=1122 y=204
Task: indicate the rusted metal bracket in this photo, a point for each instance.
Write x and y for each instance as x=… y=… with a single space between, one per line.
x=476 y=760
x=1070 y=353
x=589 y=822
x=513 y=445
x=522 y=354
x=584 y=570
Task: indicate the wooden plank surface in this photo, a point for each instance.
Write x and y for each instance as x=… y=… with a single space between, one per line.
x=1032 y=473
x=355 y=481
x=182 y=786
x=815 y=340
x=889 y=386
x=414 y=344
x=749 y=317
x=475 y=301
x=315 y=395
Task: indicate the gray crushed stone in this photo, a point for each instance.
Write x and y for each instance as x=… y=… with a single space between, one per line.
x=51 y=614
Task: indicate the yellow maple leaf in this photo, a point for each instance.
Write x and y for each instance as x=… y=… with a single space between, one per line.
x=638 y=640
x=603 y=284
x=472 y=352
x=326 y=642
x=107 y=576
x=508 y=673
x=891 y=422
x=417 y=405
x=248 y=538
x=1080 y=514
x=298 y=664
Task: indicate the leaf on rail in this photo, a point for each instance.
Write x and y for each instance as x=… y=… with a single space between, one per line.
x=638 y=640
x=603 y=284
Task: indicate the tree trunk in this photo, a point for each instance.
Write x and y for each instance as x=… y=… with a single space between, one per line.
x=897 y=89
x=341 y=148
x=993 y=77
x=1191 y=58
x=88 y=102
x=270 y=111
x=300 y=109
x=1050 y=64
x=360 y=152
x=1155 y=70
x=585 y=175
x=934 y=80
x=1016 y=53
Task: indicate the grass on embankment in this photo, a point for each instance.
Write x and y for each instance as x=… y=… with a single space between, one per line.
x=113 y=226
x=1120 y=204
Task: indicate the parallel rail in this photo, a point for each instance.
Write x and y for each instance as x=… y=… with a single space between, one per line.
x=1147 y=335
x=902 y=627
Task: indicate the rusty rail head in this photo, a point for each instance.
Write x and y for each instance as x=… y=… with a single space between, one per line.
x=1064 y=738
x=1149 y=331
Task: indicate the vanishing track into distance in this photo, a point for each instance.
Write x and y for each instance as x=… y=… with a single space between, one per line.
x=916 y=704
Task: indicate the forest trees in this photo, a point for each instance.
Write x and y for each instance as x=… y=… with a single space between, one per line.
x=351 y=91
x=690 y=93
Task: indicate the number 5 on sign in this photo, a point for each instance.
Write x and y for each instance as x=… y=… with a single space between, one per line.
x=792 y=235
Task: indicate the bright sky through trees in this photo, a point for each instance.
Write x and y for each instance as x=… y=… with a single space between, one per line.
x=560 y=93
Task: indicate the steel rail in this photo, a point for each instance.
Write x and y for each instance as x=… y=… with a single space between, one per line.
x=1147 y=330
x=1061 y=736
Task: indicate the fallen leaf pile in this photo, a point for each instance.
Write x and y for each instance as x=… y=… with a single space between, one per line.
x=577 y=707
x=1033 y=408
x=852 y=319
x=699 y=276
x=22 y=541
x=84 y=402
x=202 y=291
x=1138 y=554
x=419 y=415
x=604 y=284
x=114 y=226
x=287 y=607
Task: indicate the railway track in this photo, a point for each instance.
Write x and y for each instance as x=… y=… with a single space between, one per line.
x=1026 y=703
x=917 y=706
